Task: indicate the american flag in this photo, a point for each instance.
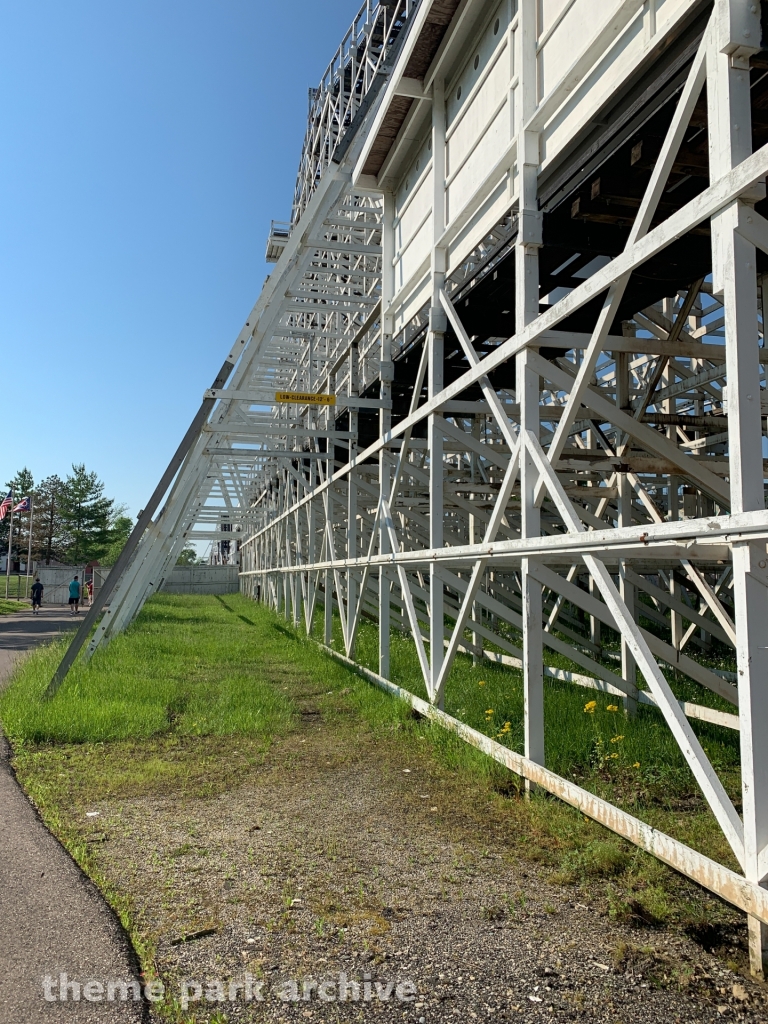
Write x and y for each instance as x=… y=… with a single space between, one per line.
x=23 y=506
x=5 y=504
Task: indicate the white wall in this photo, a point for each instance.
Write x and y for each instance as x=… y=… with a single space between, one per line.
x=202 y=579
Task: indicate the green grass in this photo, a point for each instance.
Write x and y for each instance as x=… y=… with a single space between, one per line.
x=216 y=666
x=18 y=586
x=208 y=665
x=18 y=589
x=602 y=749
x=186 y=667
x=648 y=776
x=188 y=699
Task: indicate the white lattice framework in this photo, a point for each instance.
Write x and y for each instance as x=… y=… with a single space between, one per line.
x=487 y=518
x=344 y=89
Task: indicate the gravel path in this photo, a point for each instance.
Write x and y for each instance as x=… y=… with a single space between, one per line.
x=52 y=918
x=353 y=867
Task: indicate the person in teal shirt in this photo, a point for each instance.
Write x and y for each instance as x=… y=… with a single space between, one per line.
x=74 y=596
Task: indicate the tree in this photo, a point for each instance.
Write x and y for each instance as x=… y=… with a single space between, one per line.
x=72 y=521
x=87 y=515
x=188 y=556
x=48 y=523
x=119 y=532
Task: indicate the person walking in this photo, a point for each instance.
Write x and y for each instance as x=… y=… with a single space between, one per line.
x=74 y=596
x=37 y=595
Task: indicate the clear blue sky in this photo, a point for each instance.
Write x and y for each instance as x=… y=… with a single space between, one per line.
x=145 y=148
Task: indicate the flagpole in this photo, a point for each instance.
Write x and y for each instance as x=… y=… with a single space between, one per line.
x=29 y=548
x=10 y=541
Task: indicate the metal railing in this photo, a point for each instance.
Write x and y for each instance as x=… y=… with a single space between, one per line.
x=349 y=76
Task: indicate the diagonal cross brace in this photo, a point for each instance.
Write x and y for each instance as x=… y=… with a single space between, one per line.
x=704 y=206
x=408 y=600
x=653 y=192
x=492 y=529
x=401 y=460
x=510 y=434
x=690 y=747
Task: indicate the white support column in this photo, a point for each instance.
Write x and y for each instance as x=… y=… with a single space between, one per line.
x=673 y=490
x=289 y=611
x=328 y=608
x=352 y=389
x=284 y=551
x=474 y=538
x=595 y=626
x=527 y=309
x=435 y=341
x=734 y=278
x=328 y=509
x=626 y=589
x=311 y=555
x=385 y=422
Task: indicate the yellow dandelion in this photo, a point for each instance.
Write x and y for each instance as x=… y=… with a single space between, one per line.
x=481 y=682
x=615 y=739
x=589 y=708
x=612 y=707
x=489 y=711
x=636 y=764
x=614 y=755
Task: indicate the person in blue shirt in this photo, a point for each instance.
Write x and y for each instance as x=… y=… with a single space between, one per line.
x=74 y=596
x=37 y=595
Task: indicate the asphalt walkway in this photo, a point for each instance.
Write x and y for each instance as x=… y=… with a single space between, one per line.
x=53 y=920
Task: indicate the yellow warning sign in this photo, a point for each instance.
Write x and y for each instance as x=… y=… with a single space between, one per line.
x=304 y=398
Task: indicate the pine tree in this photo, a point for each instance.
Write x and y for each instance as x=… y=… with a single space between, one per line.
x=119 y=532
x=87 y=516
x=48 y=524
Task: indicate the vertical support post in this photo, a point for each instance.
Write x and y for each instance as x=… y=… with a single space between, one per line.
x=298 y=577
x=673 y=491
x=436 y=342
x=386 y=375
x=529 y=240
x=734 y=279
x=286 y=535
x=328 y=608
x=330 y=576
x=311 y=553
x=287 y=576
x=595 y=626
x=474 y=538
x=649 y=19
x=626 y=589
x=352 y=389
x=311 y=484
